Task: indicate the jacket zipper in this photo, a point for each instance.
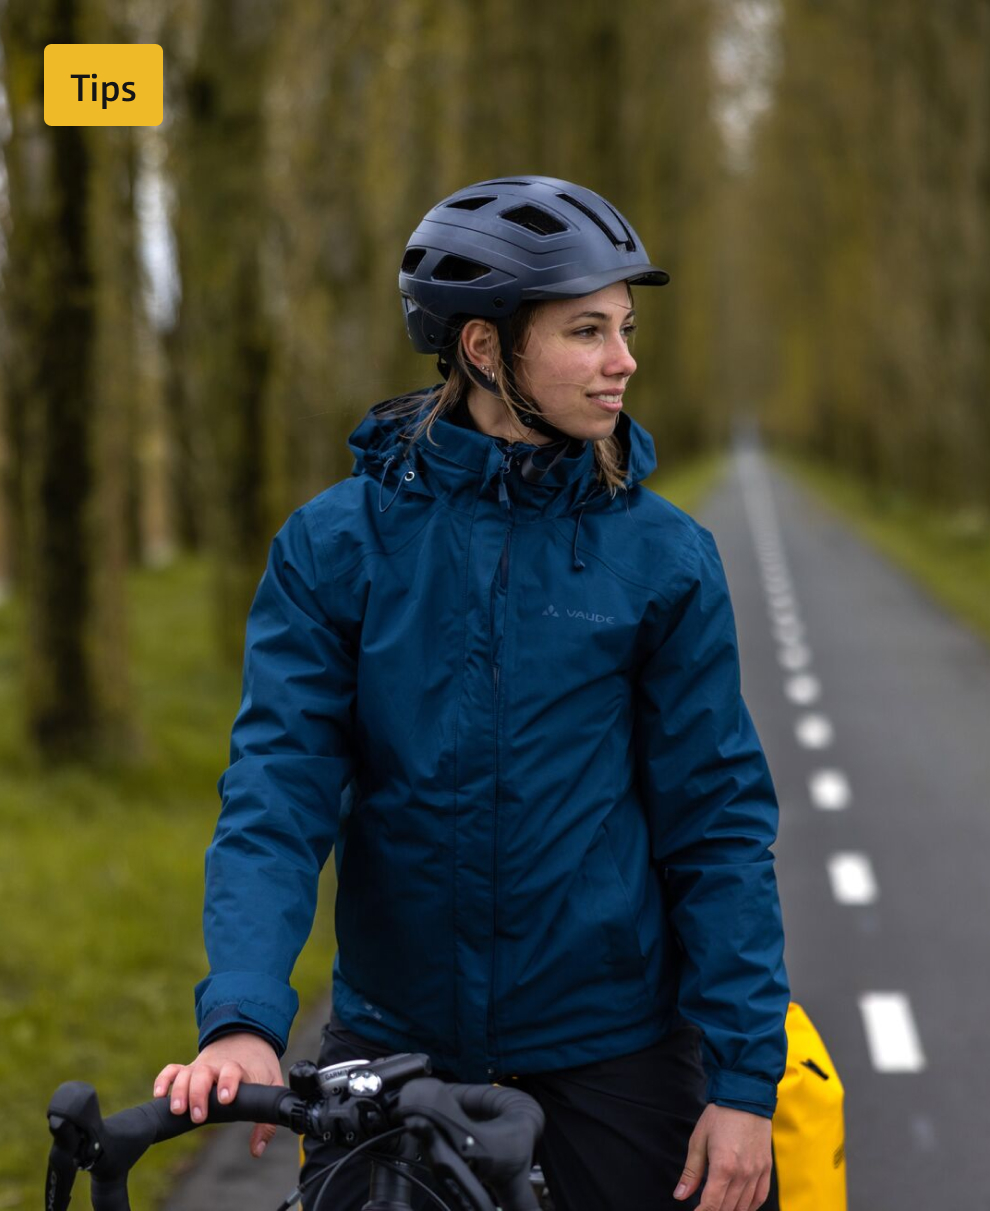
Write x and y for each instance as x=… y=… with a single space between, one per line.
x=502 y=585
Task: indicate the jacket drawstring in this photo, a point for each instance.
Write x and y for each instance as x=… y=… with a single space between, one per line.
x=578 y=561
x=381 y=486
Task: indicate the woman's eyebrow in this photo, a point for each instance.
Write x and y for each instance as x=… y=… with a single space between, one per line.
x=599 y=315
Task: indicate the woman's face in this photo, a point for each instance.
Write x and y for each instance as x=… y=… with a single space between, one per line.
x=575 y=362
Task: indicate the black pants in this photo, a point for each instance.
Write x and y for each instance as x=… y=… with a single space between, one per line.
x=616 y=1131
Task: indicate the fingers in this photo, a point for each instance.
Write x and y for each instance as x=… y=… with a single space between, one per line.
x=261 y=1137
x=714 y=1196
x=165 y=1078
x=728 y=1191
x=200 y=1083
x=229 y=1081
x=180 y=1089
x=762 y=1191
x=694 y=1166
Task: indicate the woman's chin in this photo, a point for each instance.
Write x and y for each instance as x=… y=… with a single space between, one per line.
x=596 y=430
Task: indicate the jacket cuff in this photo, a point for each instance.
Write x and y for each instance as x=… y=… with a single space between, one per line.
x=740 y=1091
x=250 y=1001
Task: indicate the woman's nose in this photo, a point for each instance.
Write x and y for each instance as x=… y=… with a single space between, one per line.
x=618 y=357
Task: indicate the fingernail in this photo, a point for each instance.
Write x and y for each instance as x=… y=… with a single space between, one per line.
x=260 y=1148
x=224 y=1095
x=680 y=1191
x=197 y=1114
x=176 y=1104
x=159 y=1091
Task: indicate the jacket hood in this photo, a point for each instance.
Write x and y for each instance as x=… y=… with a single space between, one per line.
x=561 y=484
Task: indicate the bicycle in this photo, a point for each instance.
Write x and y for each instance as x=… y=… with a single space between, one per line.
x=476 y=1140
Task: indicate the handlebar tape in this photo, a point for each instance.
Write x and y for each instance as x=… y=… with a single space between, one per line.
x=495 y=1129
x=116 y=1143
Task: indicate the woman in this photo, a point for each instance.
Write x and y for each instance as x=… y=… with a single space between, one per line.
x=501 y=677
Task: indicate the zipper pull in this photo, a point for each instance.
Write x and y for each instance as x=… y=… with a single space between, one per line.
x=503 y=471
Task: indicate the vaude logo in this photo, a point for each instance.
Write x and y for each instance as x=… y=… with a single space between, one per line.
x=552 y=612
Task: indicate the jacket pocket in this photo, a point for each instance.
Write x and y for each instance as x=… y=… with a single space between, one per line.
x=609 y=901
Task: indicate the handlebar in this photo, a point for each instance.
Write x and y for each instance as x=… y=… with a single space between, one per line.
x=494 y=1129
x=472 y=1136
x=111 y=1147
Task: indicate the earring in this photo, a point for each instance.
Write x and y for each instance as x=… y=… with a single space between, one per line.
x=489 y=374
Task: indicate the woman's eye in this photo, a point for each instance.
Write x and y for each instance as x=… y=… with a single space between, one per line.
x=629 y=331
x=585 y=331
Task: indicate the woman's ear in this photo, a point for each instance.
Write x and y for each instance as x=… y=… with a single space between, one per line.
x=478 y=343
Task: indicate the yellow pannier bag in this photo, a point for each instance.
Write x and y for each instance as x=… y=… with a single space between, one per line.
x=809 y=1146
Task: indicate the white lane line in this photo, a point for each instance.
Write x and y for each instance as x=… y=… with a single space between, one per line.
x=803 y=689
x=852 y=879
x=891 y=1034
x=794 y=657
x=814 y=731
x=788 y=632
x=829 y=790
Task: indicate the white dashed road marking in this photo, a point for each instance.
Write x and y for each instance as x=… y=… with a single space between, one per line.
x=803 y=689
x=852 y=878
x=814 y=731
x=789 y=632
x=829 y=789
x=891 y=1034
x=794 y=657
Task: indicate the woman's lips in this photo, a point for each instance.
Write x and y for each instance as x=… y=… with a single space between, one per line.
x=611 y=403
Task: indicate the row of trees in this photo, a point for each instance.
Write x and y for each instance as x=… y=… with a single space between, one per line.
x=864 y=245
x=835 y=279
x=302 y=142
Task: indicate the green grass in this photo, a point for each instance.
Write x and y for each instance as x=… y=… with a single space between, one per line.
x=101 y=888
x=687 y=484
x=947 y=552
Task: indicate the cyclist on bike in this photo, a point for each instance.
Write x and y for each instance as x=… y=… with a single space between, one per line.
x=501 y=677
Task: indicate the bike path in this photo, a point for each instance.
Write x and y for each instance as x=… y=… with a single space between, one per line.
x=883 y=778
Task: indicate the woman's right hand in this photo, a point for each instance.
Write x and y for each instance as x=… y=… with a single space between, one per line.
x=225 y=1063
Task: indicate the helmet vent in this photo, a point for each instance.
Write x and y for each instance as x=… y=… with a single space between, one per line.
x=534 y=218
x=627 y=243
x=471 y=203
x=630 y=241
x=410 y=262
x=459 y=269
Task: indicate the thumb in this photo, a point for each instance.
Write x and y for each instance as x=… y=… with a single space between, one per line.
x=261 y=1136
x=694 y=1166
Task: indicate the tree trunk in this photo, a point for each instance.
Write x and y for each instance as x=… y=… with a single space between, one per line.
x=67 y=410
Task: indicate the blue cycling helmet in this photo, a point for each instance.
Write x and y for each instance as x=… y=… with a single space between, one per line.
x=492 y=246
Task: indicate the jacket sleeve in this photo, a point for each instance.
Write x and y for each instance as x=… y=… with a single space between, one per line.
x=290 y=762
x=713 y=818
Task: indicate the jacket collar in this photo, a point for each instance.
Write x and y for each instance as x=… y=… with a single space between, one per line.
x=461 y=464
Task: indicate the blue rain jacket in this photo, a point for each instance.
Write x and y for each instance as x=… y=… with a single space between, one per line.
x=513 y=705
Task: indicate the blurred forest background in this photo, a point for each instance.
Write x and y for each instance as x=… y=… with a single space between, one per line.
x=193 y=317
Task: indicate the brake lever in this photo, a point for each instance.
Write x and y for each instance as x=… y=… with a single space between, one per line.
x=75 y=1122
x=459 y=1178
x=62 y=1167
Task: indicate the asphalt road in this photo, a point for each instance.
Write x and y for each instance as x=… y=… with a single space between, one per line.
x=883 y=776
x=874 y=709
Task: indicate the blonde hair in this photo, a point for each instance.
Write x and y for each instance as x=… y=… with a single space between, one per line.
x=607 y=452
